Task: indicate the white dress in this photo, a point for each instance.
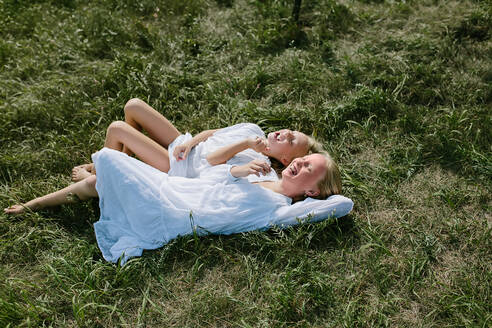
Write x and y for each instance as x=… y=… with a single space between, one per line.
x=144 y=208
x=197 y=158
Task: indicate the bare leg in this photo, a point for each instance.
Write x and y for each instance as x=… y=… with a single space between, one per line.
x=84 y=190
x=140 y=115
x=121 y=134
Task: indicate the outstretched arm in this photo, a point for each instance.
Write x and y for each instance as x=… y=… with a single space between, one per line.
x=224 y=154
x=181 y=152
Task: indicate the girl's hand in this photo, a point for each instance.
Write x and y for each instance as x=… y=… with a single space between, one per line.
x=257 y=144
x=254 y=167
x=181 y=151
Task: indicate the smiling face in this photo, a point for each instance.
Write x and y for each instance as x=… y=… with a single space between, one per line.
x=301 y=177
x=284 y=145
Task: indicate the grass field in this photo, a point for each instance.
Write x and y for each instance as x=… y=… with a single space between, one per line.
x=399 y=92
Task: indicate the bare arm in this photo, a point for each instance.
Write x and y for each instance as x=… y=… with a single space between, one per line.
x=224 y=154
x=255 y=167
x=202 y=136
x=181 y=152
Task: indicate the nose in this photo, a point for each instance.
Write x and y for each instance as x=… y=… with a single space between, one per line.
x=301 y=162
x=287 y=133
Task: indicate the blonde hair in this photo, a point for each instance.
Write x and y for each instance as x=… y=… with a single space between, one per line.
x=331 y=184
x=314 y=146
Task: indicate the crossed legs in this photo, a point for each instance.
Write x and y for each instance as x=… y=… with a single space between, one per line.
x=127 y=137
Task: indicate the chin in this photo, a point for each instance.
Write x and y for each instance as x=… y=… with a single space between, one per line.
x=286 y=175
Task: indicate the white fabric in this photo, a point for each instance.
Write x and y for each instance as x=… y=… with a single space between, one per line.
x=197 y=158
x=144 y=208
x=313 y=210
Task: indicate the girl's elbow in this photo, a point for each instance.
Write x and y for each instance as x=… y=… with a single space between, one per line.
x=214 y=161
x=211 y=160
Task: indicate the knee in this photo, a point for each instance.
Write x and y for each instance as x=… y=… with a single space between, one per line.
x=116 y=127
x=133 y=105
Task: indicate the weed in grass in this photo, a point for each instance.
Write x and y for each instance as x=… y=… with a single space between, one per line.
x=298 y=291
x=450 y=132
x=274 y=36
x=402 y=163
x=476 y=26
x=333 y=19
x=225 y=3
x=452 y=198
x=371 y=1
x=469 y=298
x=425 y=249
x=29 y=311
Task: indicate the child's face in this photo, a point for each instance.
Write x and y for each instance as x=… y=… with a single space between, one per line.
x=285 y=145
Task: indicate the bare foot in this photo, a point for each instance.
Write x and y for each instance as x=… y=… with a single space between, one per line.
x=82 y=171
x=15 y=209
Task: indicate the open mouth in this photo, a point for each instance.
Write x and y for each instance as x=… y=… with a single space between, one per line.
x=293 y=170
x=276 y=136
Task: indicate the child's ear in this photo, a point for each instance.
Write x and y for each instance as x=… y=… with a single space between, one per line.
x=312 y=193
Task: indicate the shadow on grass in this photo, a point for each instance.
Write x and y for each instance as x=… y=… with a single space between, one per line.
x=457 y=139
x=77 y=219
x=266 y=247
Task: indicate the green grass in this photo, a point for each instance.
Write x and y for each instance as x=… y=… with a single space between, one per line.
x=399 y=92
